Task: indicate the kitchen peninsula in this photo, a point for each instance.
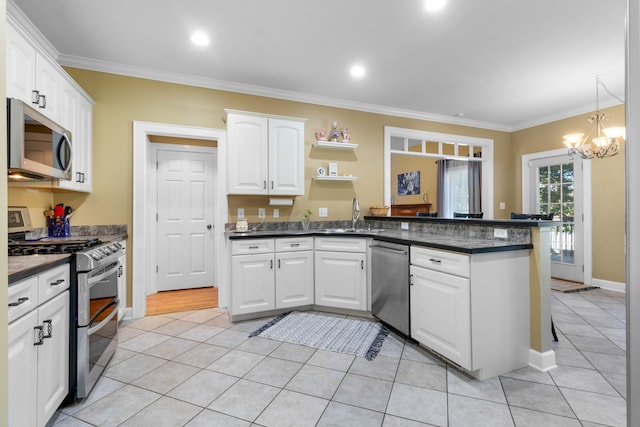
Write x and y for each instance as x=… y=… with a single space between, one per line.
x=516 y=265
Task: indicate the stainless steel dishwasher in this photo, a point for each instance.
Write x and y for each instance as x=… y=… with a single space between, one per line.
x=390 y=284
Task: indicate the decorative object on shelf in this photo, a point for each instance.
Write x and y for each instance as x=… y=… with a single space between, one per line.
x=606 y=142
x=306 y=219
x=333 y=169
x=409 y=183
x=379 y=211
x=321 y=171
x=346 y=135
x=335 y=133
x=321 y=135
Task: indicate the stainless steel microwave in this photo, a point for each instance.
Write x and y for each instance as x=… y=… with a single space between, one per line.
x=38 y=148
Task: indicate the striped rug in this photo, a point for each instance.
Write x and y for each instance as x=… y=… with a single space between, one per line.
x=360 y=338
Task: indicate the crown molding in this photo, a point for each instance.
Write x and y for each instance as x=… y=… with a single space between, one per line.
x=198 y=81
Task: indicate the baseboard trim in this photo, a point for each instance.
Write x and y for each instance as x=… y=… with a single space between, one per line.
x=542 y=362
x=128 y=314
x=609 y=285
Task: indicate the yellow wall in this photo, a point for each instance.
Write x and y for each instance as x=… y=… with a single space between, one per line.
x=608 y=186
x=428 y=170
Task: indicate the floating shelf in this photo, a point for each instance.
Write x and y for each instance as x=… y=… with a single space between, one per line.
x=335 y=178
x=336 y=145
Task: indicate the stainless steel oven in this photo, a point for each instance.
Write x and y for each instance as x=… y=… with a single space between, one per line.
x=98 y=303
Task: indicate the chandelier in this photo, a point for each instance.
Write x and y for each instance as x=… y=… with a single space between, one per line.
x=605 y=141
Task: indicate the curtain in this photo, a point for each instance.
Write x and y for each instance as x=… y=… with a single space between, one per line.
x=440 y=190
x=475 y=186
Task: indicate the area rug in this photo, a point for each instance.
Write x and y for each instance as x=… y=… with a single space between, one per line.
x=351 y=336
x=562 y=286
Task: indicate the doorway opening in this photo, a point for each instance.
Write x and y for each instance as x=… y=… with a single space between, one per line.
x=182 y=300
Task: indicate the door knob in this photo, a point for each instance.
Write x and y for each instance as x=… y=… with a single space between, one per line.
x=209 y=227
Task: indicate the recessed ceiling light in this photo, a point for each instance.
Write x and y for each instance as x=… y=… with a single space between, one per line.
x=200 y=39
x=357 y=71
x=434 y=5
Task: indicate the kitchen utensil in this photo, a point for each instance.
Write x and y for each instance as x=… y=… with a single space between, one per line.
x=67 y=211
x=49 y=213
x=58 y=210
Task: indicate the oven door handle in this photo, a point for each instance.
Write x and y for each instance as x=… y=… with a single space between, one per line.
x=93 y=280
x=92 y=329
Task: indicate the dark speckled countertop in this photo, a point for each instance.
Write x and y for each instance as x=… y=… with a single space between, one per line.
x=21 y=267
x=438 y=241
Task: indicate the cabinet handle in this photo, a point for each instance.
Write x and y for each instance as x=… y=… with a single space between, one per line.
x=49 y=324
x=295 y=245
x=411 y=280
x=21 y=300
x=57 y=282
x=39 y=335
x=271 y=262
x=35 y=97
x=435 y=260
x=43 y=104
x=264 y=185
x=362 y=264
x=278 y=264
x=253 y=247
x=272 y=185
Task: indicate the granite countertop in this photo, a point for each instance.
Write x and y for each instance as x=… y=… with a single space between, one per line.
x=21 y=267
x=437 y=241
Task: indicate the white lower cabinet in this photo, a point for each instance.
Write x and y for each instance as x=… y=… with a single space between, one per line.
x=38 y=349
x=472 y=309
x=341 y=272
x=268 y=274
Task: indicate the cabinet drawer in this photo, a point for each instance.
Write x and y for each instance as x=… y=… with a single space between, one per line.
x=341 y=244
x=252 y=246
x=444 y=261
x=52 y=282
x=25 y=295
x=294 y=244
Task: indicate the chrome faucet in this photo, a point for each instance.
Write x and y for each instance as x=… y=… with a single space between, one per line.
x=355 y=213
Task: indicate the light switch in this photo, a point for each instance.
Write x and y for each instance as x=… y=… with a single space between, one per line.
x=276 y=213
x=500 y=233
x=404 y=225
x=502 y=205
x=240 y=213
x=261 y=213
x=323 y=212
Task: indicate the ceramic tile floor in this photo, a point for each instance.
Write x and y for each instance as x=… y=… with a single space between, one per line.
x=197 y=369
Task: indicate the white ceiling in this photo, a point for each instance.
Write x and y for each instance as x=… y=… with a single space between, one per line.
x=503 y=64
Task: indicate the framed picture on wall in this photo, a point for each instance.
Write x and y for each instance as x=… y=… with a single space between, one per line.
x=409 y=183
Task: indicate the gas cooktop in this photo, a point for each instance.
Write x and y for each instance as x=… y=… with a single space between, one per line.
x=50 y=246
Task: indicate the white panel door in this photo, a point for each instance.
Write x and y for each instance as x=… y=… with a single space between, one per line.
x=247 y=152
x=49 y=83
x=253 y=284
x=286 y=157
x=341 y=280
x=294 y=279
x=185 y=217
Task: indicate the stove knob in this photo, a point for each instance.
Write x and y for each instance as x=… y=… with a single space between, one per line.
x=95 y=255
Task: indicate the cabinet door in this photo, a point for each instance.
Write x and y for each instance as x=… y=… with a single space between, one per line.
x=83 y=146
x=49 y=84
x=441 y=314
x=252 y=283
x=247 y=152
x=53 y=357
x=294 y=279
x=286 y=157
x=341 y=280
x=21 y=66
x=69 y=120
x=22 y=371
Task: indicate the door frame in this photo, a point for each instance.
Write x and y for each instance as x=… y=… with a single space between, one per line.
x=586 y=203
x=144 y=202
x=154 y=147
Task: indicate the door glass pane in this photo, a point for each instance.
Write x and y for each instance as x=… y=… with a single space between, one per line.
x=556 y=195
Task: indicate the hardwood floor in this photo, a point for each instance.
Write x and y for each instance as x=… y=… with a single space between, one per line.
x=182 y=300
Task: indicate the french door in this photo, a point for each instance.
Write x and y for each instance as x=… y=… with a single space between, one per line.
x=556 y=185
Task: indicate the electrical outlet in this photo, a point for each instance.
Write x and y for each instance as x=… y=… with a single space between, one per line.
x=261 y=213
x=323 y=212
x=240 y=213
x=404 y=225
x=276 y=213
x=503 y=205
x=500 y=233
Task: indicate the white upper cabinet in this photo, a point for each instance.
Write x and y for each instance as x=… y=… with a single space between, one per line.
x=38 y=81
x=266 y=154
